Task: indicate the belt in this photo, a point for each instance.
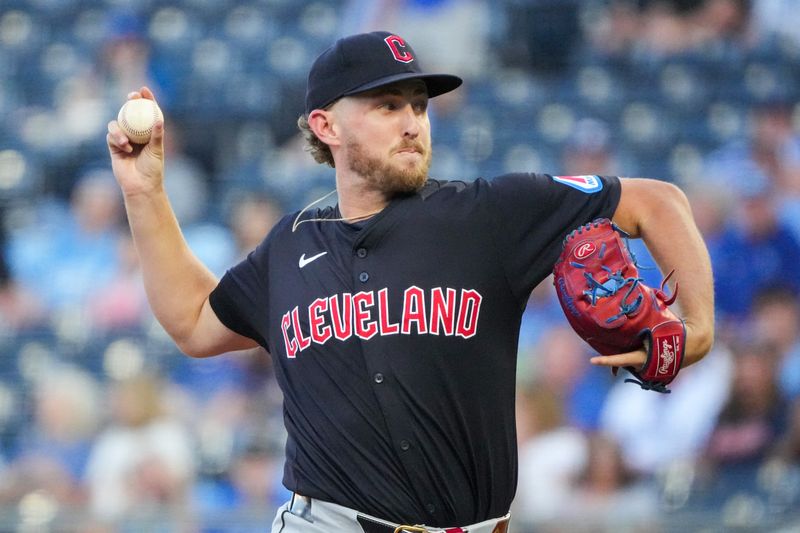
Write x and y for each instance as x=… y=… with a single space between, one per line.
x=370 y=524
x=301 y=506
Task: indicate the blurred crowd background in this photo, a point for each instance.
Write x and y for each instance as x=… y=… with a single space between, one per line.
x=105 y=426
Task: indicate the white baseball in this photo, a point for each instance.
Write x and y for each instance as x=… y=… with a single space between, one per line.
x=137 y=118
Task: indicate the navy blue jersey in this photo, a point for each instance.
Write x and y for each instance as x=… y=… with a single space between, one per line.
x=395 y=341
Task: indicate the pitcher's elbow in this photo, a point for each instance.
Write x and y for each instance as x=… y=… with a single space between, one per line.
x=193 y=349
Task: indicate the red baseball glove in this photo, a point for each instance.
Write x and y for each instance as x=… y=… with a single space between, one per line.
x=605 y=301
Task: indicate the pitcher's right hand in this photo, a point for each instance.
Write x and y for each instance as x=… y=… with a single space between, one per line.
x=139 y=169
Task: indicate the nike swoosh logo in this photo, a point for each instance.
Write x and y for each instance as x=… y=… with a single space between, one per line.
x=303 y=261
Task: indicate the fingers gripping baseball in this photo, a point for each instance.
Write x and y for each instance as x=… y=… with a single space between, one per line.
x=138 y=166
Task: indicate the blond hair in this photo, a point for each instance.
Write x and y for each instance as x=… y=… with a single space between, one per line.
x=320 y=151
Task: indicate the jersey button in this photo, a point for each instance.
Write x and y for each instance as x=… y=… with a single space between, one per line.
x=363 y=277
x=430 y=508
x=378 y=378
x=361 y=252
x=405 y=445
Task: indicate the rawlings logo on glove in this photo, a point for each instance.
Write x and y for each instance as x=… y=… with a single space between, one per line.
x=606 y=303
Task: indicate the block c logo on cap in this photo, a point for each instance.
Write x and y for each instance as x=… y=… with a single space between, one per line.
x=398 y=47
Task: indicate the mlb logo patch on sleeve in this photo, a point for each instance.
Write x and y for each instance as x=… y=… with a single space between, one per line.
x=587 y=184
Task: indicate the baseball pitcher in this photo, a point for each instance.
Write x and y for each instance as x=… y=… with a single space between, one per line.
x=393 y=316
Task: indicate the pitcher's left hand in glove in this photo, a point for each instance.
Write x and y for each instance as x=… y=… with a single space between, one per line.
x=605 y=301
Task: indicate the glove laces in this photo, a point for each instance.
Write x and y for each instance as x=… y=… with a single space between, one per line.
x=615 y=283
x=649 y=385
x=616 y=280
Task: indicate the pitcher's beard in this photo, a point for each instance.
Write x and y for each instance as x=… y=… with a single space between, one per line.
x=390 y=179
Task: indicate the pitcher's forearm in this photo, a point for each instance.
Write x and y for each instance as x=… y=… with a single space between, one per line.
x=176 y=282
x=676 y=244
x=660 y=214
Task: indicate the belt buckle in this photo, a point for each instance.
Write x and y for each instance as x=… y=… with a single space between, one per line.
x=411 y=529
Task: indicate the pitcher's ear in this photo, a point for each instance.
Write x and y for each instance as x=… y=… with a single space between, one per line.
x=322 y=123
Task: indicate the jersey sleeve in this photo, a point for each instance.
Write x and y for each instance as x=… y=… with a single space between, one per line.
x=238 y=300
x=532 y=213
